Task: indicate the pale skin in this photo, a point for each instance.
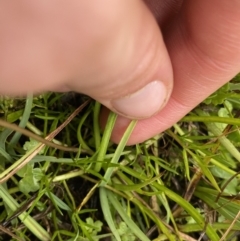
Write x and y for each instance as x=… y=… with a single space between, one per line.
x=112 y=48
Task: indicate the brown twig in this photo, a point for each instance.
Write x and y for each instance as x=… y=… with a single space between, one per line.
x=47 y=140
x=230 y=227
x=17 y=166
x=5 y=230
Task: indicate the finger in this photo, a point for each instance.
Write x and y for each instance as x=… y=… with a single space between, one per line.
x=164 y=11
x=31 y=45
x=203 y=44
x=110 y=50
x=131 y=73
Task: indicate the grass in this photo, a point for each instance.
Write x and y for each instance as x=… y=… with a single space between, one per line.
x=182 y=184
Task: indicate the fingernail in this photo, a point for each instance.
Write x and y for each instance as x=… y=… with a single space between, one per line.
x=144 y=103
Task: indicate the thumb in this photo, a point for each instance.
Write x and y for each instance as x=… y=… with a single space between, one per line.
x=111 y=50
x=127 y=68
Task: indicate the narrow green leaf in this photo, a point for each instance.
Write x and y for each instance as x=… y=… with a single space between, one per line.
x=225 y=206
x=24 y=120
x=30 y=223
x=96 y=127
x=58 y=201
x=118 y=207
x=118 y=152
x=190 y=210
x=134 y=187
x=105 y=140
x=107 y=213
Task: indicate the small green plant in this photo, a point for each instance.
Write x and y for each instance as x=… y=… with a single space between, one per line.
x=125 y=233
x=76 y=185
x=29 y=145
x=94 y=228
x=30 y=179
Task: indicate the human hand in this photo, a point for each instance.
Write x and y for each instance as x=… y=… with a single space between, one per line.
x=110 y=49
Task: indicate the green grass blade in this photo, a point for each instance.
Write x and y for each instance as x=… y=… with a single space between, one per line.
x=96 y=127
x=118 y=207
x=24 y=119
x=227 y=208
x=212 y=119
x=134 y=187
x=118 y=152
x=223 y=140
x=107 y=212
x=81 y=141
x=30 y=223
x=105 y=140
x=190 y=210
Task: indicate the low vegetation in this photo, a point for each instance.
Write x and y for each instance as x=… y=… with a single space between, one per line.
x=76 y=185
